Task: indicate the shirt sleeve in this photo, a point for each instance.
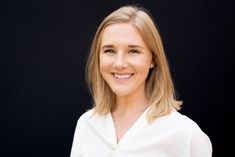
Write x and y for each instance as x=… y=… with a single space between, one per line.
x=76 y=146
x=200 y=144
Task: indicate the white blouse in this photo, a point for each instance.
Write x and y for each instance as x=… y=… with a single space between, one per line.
x=173 y=135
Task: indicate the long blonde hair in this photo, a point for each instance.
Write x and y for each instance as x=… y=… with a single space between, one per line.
x=159 y=85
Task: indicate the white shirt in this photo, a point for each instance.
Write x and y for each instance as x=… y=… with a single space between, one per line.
x=173 y=135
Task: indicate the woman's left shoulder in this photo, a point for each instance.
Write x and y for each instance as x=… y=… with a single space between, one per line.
x=177 y=123
x=199 y=141
x=189 y=125
x=184 y=121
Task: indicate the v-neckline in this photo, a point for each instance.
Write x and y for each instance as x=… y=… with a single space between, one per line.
x=131 y=131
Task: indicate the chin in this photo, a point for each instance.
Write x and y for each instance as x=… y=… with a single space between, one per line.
x=121 y=93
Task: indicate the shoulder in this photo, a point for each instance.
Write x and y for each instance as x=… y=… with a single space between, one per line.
x=186 y=123
x=199 y=141
x=82 y=122
x=86 y=116
x=81 y=129
x=183 y=120
x=179 y=125
x=177 y=120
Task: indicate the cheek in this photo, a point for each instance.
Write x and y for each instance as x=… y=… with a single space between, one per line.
x=142 y=63
x=104 y=65
x=143 y=68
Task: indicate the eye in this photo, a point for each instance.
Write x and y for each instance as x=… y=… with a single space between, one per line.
x=133 y=52
x=109 y=51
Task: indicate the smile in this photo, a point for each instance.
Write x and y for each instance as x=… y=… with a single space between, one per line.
x=122 y=76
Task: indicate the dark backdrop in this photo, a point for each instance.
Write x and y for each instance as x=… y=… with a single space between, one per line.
x=44 y=51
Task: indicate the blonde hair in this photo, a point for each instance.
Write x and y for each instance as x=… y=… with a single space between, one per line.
x=159 y=85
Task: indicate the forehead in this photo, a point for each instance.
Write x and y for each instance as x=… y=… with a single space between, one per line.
x=122 y=33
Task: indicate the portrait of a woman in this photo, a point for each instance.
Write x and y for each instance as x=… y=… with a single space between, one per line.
x=135 y=111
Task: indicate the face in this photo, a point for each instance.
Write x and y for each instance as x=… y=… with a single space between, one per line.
x=125 y=59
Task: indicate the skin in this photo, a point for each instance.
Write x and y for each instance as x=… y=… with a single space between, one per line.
x=125 y=61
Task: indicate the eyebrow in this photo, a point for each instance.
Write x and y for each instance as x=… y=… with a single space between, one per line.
x=130 y=46
x=107 y=46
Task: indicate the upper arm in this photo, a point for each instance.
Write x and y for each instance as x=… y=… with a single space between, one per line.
x=76 y=146
x=200 y=144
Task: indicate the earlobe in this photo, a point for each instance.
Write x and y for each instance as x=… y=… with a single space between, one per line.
x=151 y=65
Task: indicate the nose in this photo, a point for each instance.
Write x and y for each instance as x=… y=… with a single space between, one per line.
x=120 y=61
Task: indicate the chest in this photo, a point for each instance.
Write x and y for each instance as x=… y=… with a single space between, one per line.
x=138 y=144
x=140 y=140
x=122 y=124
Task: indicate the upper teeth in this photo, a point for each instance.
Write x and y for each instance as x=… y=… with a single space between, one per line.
x=122 y=76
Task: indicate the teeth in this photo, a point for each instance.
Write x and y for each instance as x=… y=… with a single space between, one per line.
x=122 y=76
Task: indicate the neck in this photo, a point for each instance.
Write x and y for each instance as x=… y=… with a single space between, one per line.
x=128 y=104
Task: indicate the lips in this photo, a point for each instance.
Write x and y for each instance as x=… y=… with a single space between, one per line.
x=123 y=75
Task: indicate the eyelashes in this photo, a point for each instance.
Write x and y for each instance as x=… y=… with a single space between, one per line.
x=111 y=51
x=134 y=51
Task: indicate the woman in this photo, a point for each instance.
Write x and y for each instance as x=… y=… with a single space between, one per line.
x=135 y=110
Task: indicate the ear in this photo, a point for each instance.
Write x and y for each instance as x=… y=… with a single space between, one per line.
x=152 y=65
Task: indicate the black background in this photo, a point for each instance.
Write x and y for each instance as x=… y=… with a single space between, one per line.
x=44 y=52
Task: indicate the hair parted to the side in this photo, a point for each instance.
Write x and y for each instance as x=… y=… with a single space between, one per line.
x=159 y=85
